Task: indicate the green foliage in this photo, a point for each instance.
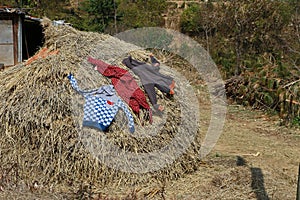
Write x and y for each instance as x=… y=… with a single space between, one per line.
x=197 y=19
x=100 y=15
x=141 y=13
x=247 y=29
x=96 y=15
x=259 y=38
x=52 y=9
x=296 y=121
x=190 y=19
x=8 y=3
x=226 y=60
x=29 y=3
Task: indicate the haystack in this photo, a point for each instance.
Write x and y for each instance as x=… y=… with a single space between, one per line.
x=42 y=140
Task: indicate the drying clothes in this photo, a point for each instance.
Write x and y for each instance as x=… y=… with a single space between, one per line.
x=151 y=77
x=101 y=106
x=125 y=85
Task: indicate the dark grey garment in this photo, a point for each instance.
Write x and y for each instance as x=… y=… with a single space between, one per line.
x=150 y=77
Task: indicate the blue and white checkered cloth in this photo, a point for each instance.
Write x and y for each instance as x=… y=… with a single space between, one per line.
x=101 y=106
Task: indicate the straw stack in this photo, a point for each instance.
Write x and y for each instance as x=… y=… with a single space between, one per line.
x=41 y=137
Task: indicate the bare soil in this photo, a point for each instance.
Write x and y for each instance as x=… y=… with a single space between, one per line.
x=254 y=158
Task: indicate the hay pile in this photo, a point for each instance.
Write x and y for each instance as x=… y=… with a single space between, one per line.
x=42 y=141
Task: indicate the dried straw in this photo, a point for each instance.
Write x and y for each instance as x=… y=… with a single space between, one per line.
x=41 y=137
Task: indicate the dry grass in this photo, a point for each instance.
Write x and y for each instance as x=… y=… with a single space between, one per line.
x=43 y=145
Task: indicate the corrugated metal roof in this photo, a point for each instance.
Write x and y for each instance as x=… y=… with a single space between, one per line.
x=19 y=11
x=33 y=18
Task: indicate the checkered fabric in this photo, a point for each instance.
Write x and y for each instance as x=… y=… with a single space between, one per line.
x=99 y=110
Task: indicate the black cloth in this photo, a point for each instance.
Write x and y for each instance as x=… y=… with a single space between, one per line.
x=150 y=77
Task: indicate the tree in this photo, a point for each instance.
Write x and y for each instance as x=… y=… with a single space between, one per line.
x=97 y=14
x=141 y=13
x=240 y=31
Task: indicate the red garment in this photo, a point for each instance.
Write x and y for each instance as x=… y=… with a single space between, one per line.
x=124 y=84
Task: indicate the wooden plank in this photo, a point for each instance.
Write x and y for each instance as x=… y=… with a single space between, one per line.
x=298 y=187
x=15 y=38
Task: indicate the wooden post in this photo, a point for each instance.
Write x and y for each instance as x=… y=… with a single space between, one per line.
x=298 y=186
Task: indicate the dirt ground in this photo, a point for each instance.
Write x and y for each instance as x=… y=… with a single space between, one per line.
x=254 y=158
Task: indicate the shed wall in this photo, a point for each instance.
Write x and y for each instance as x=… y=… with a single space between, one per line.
x=7 y=42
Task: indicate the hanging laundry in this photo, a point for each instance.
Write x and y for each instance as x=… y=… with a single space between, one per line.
x=151 y=78
x=125 y=85
x=101 y=106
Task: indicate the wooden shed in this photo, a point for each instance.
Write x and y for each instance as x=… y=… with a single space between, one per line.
x=20 y=36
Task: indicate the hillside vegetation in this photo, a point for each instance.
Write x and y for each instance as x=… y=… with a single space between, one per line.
x=255 y=43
